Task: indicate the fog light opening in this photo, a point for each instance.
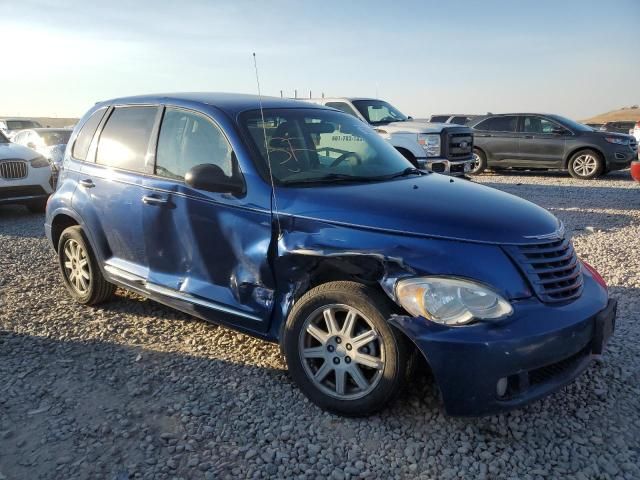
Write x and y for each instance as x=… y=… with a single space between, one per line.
x=501 y=387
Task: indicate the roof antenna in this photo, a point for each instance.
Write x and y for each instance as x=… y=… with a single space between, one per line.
x=266 y=148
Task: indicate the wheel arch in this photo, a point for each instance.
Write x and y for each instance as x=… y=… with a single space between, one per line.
x=406 y=153
x=573 y=151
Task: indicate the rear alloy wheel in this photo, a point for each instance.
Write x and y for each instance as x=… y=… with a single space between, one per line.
x=341 y=350
x=586 y=165
x=80 y=270
x=479 y=162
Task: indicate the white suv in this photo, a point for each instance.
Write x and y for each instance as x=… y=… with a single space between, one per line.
x=439 y=147
x=25 y=176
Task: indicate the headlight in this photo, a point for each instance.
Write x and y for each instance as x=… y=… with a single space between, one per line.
x=431 y=143
x=39 y=162
x=617 y=140
x=451 y=301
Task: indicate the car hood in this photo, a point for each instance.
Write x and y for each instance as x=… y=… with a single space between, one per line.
x=413 y=126
x=14 y=150
x=433 y=205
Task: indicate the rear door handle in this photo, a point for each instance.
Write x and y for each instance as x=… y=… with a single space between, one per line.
x=528 y=136
x=153 y=200
x=87 y=183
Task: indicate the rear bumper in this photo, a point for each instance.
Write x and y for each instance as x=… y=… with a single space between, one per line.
x=446 y=167
x=540 y=350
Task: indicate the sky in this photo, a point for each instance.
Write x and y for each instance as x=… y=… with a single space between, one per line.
x=575 y=58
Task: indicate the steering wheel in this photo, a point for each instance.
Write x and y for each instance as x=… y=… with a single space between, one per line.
x=344 y=156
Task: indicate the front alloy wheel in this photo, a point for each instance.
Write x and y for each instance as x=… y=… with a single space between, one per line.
x=586 y=164
x=341 y=350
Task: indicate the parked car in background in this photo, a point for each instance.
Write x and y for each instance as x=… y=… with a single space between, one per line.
x=543 y=141
x=25 y=176
x=49 y=142
x=437 y=147
x=458 y=119
x=595 y=126
x=259 y=214
x=11 y=126
x=618 y=127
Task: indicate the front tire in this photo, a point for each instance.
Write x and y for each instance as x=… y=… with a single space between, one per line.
x=80 y=271
x=586 y=165
x=479 y=162
x=342 y=352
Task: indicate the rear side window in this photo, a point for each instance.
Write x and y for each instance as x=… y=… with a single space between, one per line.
x=188 y=139
x=460 y=120
x=508 y=123
x=88 y=130
x=342 y=106
x=124 y=140
x=439 y=118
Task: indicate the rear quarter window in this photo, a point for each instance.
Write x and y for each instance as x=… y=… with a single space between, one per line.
x=88 y=130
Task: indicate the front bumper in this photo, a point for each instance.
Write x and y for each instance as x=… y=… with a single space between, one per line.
x=22 y=194
x=539 y=350
x=446 y=167
x=621 y=159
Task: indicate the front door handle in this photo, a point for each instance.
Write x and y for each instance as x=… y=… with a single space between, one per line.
x=153 y=200
x=87 y=183
x=528 y=136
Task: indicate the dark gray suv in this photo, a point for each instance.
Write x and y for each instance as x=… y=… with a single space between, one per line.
x=542 y=141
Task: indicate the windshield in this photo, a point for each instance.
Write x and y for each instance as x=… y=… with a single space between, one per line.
x=571 y=124
x=377 y=112
x=316 y=146
x=21 y=124
x=55 y=137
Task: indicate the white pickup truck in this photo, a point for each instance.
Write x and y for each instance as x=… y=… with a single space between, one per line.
x=439 y=147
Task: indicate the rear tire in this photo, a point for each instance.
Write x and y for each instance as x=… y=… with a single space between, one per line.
x=80 y=271
x=341 y=350
x=479 y=162
x=37 y=206
x=586 y=165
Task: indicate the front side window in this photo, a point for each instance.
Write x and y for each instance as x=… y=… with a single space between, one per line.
x=188 y=139
x=124 y=140
x=314 y=146
x=88 y=130
x=439 y=118
x=538 y=125
x=378 y=112
x=507 y=123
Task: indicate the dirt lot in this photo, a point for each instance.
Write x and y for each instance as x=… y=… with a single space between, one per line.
x=135 y=390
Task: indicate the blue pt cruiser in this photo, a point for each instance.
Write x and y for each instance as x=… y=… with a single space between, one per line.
x=298 y=224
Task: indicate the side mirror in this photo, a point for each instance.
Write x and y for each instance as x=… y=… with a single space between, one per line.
x=559 y=131
x=409 y=117
x=211 y=178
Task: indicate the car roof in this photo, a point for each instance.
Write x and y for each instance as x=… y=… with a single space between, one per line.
x=230 y=103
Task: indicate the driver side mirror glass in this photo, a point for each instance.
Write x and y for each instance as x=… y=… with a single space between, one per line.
x=211 y=178
x=559 y=131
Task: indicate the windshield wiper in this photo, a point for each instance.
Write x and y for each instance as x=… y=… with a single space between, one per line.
x=333 y=178
x=408 y=171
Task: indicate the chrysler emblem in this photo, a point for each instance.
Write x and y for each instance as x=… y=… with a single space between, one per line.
x=557 y=235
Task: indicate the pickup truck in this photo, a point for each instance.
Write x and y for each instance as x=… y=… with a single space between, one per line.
x=441 y=148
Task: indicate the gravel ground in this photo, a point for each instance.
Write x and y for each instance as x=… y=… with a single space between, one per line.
x=136 y=390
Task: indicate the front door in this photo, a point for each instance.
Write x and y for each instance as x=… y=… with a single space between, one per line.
x=542 y=142
x=206 y=250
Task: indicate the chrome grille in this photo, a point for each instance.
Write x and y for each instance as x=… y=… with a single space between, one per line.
x=13 y=169
x=552 y=268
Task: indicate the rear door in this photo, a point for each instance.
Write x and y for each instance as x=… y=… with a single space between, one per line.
x=111 y=188
x=205 y=249
x=542 y=143
x=499 y=138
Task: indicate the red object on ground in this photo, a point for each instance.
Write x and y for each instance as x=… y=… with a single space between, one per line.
x=635 y=170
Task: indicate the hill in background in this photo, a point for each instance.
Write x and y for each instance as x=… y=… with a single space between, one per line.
x=623 y=114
